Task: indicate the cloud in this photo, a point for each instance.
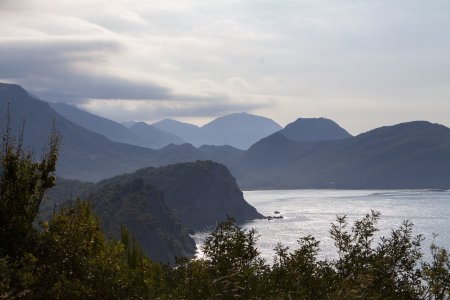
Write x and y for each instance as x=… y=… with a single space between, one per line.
x=310 y=58
x=155 y=111
x=55 y=70
x=69 y=70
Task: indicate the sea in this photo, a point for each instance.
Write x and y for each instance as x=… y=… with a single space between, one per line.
x=311 y=212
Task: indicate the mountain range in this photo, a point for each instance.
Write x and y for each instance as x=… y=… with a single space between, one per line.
x=408 y=155
x=239 y=130
x=139 y=134
x=308 y=153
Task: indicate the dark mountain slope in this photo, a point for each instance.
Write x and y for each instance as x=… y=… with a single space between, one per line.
x=314 y=129
x=140 y=207
x=83 y=154
x=408 y=155
x=267 y=159
x=201 y=193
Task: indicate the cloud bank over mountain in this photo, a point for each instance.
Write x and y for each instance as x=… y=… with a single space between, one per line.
x=366 y=63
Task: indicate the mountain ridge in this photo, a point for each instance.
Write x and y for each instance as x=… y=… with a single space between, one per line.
x=239 y=130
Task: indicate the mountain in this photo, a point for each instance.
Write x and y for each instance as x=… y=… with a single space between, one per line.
x=154 y=137
x=139 y=134
x=187 y=132
x=141 y=208
x=83 y=154
x=314 y=129
x=239 y=130
x=201 y=193
x=128 y=124
x=408 y=155
x=112 y=130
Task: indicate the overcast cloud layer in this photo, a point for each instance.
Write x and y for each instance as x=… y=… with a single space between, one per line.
x=362 y=63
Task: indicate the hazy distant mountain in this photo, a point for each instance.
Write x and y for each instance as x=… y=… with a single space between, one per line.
x=153 y=137
x=314 y=129
x=140 y=134
x=188 y=132
x=407 y=155
x=239 y=130
x=112 y=130
x=128 y=124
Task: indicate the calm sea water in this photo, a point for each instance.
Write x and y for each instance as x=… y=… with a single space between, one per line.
x=312 y=212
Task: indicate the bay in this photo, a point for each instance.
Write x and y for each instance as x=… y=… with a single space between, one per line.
x=311 y=212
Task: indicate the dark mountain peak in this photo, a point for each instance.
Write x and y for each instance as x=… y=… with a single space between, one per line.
x=277 y=140
x=414 y=130
x=314 y=129
x=181 y=147
x=12 y=87
x=223 y=148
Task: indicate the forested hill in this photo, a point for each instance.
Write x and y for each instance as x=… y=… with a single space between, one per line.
x=160 y=205
x=201 y=193
x=141 y=208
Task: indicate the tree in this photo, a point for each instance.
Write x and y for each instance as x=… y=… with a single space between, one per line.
x=437 y=273
x=233 y=261
x=389 y=270
x=23 y=183
x=76 y=261
x=299 y=274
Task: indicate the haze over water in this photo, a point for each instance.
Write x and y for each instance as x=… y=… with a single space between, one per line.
x=312 y=212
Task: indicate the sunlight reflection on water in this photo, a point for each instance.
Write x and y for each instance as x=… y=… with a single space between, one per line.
x=312 y=212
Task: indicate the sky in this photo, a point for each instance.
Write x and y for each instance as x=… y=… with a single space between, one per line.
x=362 y=63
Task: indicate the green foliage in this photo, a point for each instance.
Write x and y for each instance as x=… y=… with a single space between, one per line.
x=388 y=270
x=298 y=274
x=134 y=252
x=22 y=185
x=76 y=259
x=437 y=274
x=233 y=261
